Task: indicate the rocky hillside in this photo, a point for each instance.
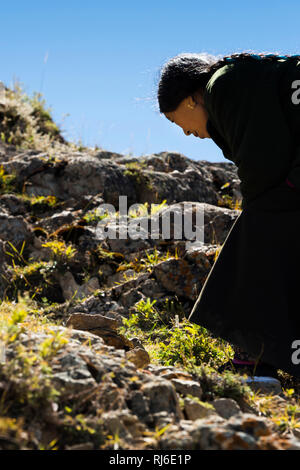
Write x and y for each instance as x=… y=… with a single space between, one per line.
x=96 y=351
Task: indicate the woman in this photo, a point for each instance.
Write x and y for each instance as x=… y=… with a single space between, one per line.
x=249 y=105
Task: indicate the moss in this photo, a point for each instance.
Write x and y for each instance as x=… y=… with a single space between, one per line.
x=38 y=204
x=135 y=172
x=190 y=345
x=171 y=340
x=26 y=122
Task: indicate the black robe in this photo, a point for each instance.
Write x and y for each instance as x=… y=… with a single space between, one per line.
x=251 y=295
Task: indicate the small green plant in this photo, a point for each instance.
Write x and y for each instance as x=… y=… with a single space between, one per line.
x=287 y=421
x=60 y=251
x=43 y=114
x=26 y=123
x=33 y=277
x=152 y=259
x=229 y=201
x=27 y=372
x=155 y=208
x=191 y=345
x=148 y=262
x=145 y=316
x=137 y=165
x=25 y=275
x=141 y=211
x=42 y=201
x=11 y=319
x=217 y=252
x=135 y=172
x=16 y=253
x=31 y=272
x=95 y=215
x=230 y=385
x=106 y=255
x=51 y=345
x=7 y=181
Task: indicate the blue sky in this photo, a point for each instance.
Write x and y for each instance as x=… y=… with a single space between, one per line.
x=97 y=62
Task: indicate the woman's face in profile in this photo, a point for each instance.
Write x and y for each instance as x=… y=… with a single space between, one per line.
x=191 y=116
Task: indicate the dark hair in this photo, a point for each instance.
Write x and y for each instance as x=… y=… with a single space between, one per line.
x=187 y=73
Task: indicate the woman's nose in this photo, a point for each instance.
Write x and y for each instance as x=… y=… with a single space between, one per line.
x=186 y=132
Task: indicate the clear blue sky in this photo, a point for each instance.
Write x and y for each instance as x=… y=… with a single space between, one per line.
x=98 y=61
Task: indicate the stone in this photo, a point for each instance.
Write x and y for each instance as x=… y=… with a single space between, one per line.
x=257 y=426
x=139 y=404
x=138 y=356
x=84 y=321
x=187 y=387
x=197 y=410
x=81 y=446
x=15 y=230
x=54 y=222
x=71 y=289
x=162 y=396
x=174 y=373
x=104 y=327
x=13 y=204
x=226 y=407
x=120 y=277
x=122 y=423
x=162 y=419
x=267 y=385
x=74 y=375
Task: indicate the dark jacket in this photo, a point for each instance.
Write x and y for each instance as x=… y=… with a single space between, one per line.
x=253 y=119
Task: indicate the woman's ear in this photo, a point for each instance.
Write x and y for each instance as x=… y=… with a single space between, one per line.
x=191 y=102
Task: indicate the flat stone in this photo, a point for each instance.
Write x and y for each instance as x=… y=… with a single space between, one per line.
x=267 y=385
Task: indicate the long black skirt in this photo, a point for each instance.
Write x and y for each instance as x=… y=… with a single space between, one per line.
x=251 y=296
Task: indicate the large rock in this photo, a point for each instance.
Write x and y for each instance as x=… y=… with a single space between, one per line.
x=71 y=176
x=74 y=174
